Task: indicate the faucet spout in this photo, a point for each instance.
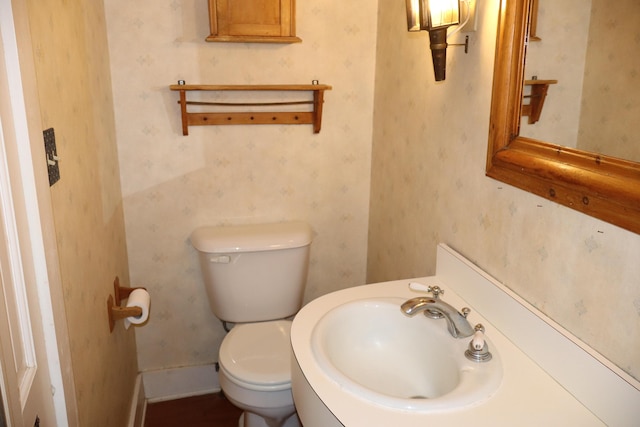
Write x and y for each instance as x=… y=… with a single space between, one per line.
x=415 y=305
x=457 y=324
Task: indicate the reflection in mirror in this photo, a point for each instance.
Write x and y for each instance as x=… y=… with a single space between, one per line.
x=589 y=47
x=600 y=185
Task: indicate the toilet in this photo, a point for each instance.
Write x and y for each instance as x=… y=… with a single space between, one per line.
x=254 y=276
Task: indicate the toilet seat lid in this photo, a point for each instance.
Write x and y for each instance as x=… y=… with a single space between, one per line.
x=258 y=353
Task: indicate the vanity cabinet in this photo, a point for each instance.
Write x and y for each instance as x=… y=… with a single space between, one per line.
x=252 y=21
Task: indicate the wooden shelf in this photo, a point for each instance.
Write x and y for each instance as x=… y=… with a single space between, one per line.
x=313 y=117
x=539 y=89
x=254 y=39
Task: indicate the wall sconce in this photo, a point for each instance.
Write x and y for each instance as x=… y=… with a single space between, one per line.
x=434 y=16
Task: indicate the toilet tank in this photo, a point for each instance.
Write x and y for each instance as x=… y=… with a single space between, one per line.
x=255 y=272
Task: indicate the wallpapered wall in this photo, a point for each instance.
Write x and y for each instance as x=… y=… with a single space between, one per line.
x=428 y=186
x=74 y=89
x=236 y=174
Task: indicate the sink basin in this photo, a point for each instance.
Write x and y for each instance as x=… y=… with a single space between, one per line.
x=376 y=353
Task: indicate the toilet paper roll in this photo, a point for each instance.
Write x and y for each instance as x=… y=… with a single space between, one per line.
x=138 y=298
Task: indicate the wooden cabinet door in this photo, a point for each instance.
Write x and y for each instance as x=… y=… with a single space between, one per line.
x=266 y=21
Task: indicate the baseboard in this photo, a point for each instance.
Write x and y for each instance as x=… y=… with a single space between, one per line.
x=176 y=383
x=138 y=406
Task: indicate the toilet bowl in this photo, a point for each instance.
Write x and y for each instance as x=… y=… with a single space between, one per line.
x=255 y=373
x=254 y=276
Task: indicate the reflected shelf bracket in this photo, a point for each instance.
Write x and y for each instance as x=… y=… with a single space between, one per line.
x=539 y=89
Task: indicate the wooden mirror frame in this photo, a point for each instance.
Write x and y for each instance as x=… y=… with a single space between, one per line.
x=604 y=187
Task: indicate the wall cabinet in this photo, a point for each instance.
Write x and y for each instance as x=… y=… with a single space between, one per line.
x=252 y=21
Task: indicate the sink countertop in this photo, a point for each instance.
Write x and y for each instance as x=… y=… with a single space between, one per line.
x=528 y=395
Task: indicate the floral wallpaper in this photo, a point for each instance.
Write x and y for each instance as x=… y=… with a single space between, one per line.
x=74 y=90
x=428 y=186
x=236 y=174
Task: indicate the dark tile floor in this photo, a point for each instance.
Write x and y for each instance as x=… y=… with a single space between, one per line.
x=211 y=410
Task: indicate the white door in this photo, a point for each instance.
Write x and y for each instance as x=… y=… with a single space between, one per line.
x=30 y=376
x=18 y=362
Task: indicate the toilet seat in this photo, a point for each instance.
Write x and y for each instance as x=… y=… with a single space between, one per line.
x=257 y=356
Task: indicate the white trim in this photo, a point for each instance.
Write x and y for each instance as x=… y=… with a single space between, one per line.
x=4 y=401
x=138 y=408
x=22 y=342
x=176 y=383
x=32 y=212
x=18 y=306
x=601 y=386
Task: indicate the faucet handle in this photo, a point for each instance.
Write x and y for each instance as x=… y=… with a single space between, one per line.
x=420 y=287
x=478 y=350
x=477 y=342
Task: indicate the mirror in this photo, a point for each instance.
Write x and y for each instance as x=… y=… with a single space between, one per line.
x=599 y=185
x=585 y=46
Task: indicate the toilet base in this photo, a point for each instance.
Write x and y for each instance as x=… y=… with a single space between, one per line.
x=261 y=408
x=248 y=419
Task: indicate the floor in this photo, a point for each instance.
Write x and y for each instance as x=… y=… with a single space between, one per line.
x=211 y=410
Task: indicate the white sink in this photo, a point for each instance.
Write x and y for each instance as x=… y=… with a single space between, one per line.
x=359 y=361
x=377 y=353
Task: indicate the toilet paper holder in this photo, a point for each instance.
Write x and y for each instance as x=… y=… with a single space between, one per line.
x=113 y=304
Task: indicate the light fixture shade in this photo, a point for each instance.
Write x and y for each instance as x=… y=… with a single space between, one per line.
x=439 y=14
x=432 y=14
x=413 y=15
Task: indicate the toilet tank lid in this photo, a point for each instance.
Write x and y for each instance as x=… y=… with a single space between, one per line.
x=251 y=237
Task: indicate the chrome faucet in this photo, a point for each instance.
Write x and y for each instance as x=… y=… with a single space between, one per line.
x=457 y=323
